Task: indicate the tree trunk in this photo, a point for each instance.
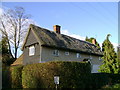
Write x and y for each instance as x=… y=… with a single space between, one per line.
x=15 y=53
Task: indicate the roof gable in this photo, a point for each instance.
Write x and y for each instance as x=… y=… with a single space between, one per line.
x=30 y=31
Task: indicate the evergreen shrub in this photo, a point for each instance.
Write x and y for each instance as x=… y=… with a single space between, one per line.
x=16 y=76
x=41 y=75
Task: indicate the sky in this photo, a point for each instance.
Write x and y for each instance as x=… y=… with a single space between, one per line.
x=77 y=19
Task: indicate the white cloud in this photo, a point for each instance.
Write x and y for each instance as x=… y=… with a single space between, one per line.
x=66 y=32
x=115 y=45
x=1 y=11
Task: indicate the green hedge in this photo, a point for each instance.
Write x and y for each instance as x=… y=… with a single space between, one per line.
x=16 y=76
x=6 y=82
x=41 y=75
x=72 y=75
x=99 y=80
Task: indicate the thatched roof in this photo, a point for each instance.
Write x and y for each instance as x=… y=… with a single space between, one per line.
x=18 y=61
x=51 y=39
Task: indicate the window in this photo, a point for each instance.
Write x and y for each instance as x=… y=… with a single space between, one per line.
x=66 y=53
x=56 y=53
x=78 y=55
x=31 y=50
x=90 y=57
x=100 y=58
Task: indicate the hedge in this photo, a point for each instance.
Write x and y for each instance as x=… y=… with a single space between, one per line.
x=16 y=76
x=6 y=82
x=72 y=75
x=41 y=75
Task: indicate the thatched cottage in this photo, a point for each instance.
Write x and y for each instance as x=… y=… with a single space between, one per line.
x=42 y=45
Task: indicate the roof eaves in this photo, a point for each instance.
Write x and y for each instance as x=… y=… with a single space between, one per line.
x=64 y=48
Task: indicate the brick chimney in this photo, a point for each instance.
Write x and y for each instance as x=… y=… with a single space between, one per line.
x=56 y=29
x=94 y=41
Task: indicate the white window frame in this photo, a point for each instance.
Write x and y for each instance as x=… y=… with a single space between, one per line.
x=32 y=50
x=66 y=53
x=56 y=52
x=91 y=57
x=100 y=59
x=78 y=55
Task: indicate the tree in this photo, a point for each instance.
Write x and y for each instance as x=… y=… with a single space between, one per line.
x=110 y=61
x=90 y=40
x=13 y=25
x=4 y=52
x=118 y=57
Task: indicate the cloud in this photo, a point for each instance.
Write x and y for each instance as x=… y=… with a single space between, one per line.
x=66 y=32
x=115 y=45
x=1 y=11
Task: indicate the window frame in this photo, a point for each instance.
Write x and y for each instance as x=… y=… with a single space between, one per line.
x=91 y=57
x=78 y=55
x=67 y=53
x=32 y=50
x=100 y=58
x=55 y=52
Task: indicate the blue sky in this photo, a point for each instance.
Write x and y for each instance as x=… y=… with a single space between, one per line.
x=79 y=19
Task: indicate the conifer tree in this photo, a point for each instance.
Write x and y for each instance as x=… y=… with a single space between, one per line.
x=110 y=61
x=5 y=56
x=118 y=57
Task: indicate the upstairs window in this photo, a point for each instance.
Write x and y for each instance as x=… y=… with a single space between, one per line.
x=66 y=53
x=91 y=57
x=100 y=58
x=78 y=55
x=31 y=50
x=56 y=53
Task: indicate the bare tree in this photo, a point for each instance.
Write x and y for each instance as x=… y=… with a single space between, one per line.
x=13 y=25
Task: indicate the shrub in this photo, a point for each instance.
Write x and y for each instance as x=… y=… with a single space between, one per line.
x=6 y=82
x=103 y=80
x=41 y=75
x=72 y=75
x=16 y=76
x=98 y=80
x=116 y=86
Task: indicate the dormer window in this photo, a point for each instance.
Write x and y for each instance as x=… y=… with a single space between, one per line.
x=31 y=50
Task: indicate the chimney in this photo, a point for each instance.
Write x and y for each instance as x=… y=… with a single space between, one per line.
x=94 y=41
x=56 y=29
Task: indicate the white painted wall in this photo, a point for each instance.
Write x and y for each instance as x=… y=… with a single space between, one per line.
x=95 y=68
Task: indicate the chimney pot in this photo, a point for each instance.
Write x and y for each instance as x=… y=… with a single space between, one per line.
x=56 y=29
x=94 y=41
